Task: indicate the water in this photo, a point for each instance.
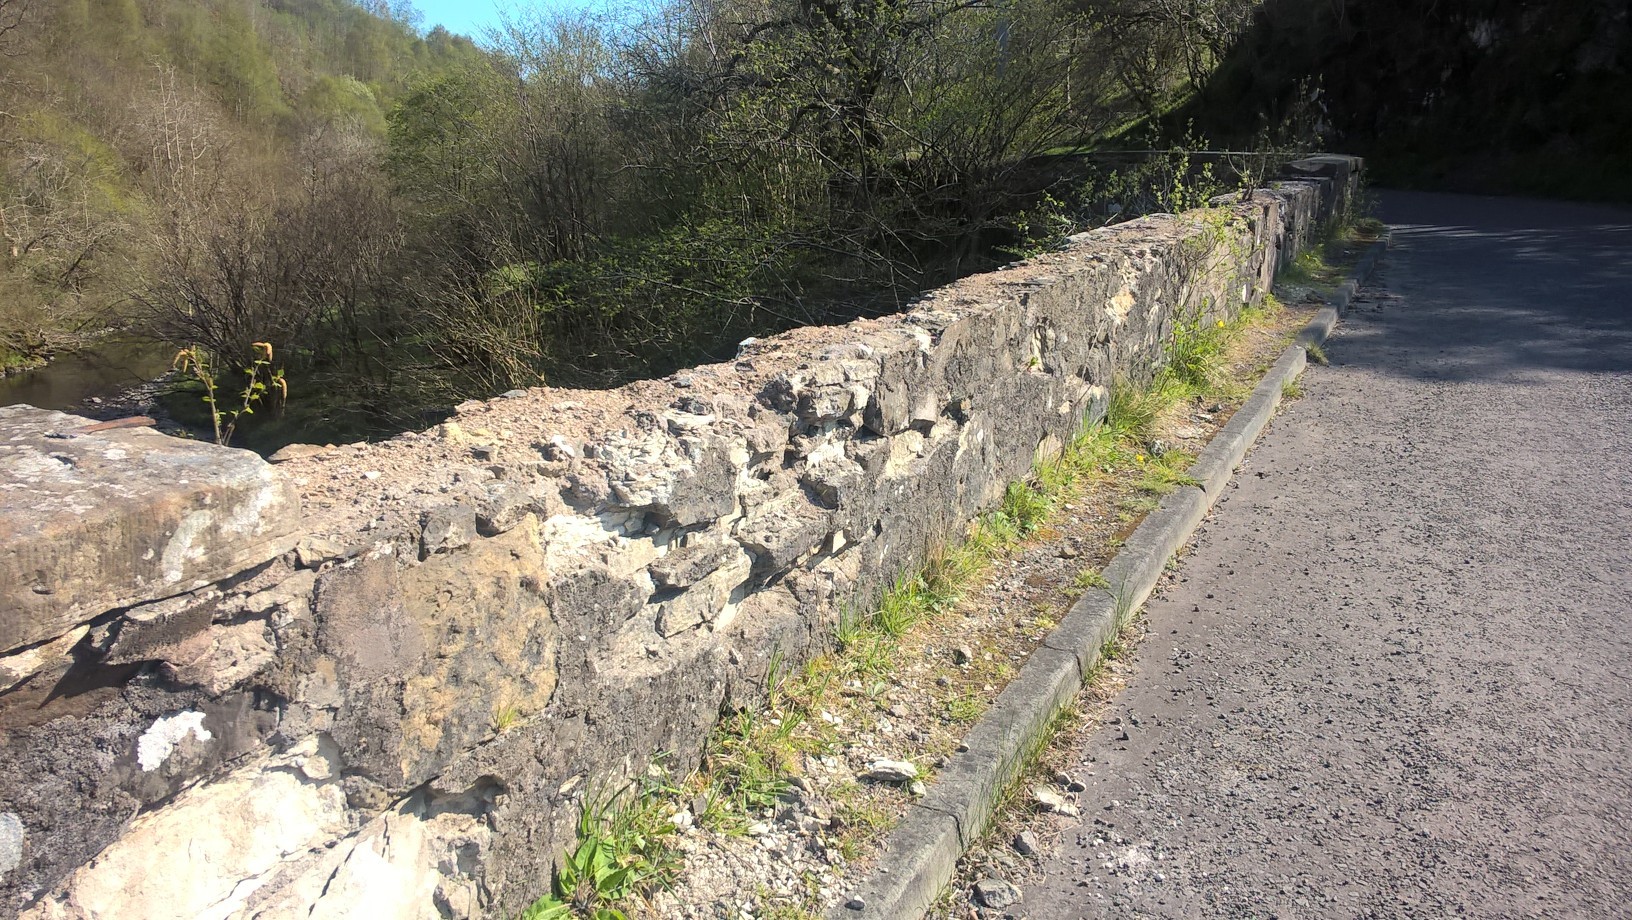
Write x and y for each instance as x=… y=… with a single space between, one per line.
x=103 y=369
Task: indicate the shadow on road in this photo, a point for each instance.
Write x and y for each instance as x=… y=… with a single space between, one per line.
x=1499 y=288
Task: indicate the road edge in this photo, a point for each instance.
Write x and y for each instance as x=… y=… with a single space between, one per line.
x=919 y=857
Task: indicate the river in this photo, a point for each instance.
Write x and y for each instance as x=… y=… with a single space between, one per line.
x=101 y=370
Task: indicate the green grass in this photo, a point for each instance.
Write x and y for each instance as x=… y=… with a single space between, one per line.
x=505 y=718
x=1163 y=474
x=1027 y=506
x=1196 y=354
x=751 y=757
x=623 y=854
x=1088 y=578
x=965 y=708
x=1309 y=268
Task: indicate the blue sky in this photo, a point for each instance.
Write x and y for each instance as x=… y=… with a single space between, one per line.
x=472 y=17
x=467 y=17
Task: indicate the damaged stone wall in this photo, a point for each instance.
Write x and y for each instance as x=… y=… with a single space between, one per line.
x=380 y=680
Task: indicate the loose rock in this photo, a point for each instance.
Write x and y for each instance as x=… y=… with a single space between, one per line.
x=996 y=893
x=1025 y=843
x=891 y=771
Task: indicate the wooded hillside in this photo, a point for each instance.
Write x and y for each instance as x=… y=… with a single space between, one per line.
x=130 y=125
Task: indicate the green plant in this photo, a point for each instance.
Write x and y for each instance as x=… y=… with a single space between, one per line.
x=902 y=606
x=1133 y=411
x=505 y=718
x=1309 y=268
x=1316 y=354
x=1166 y=473
x=749 y=759
x=1291 y=389
x=262 y=380
x=850 y=628
x=964 y=708
x=775 y=676
x=1196 y=351
x=622 y=854
x=1025 y=506
x=1369 y=227
x=1124 y=603
x=1041 y=228
x=1088 y=578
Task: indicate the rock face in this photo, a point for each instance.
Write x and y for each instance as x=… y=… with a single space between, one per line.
x=90 y=521
x=396 y=707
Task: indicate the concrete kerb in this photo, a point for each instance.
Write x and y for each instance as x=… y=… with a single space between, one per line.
x=920 y=855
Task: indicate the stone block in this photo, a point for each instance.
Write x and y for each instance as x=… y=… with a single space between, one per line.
x=447 y=528
x=193 y=857
x=690 y=564
x=428 y=655
x=144 y=633
x=93 y=521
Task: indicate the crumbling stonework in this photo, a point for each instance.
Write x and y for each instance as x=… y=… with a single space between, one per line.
x=397 y=710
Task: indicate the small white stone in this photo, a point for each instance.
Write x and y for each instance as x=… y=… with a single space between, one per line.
x=1048 y=799
x=891 y=771
x=160 y=740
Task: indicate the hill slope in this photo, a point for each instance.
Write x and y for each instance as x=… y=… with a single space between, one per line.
x=123 y=117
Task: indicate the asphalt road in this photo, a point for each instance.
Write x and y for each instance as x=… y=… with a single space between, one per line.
x=1395 y=679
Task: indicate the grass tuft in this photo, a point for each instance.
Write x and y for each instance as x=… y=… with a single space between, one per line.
x=623 y=855
x=505 y=718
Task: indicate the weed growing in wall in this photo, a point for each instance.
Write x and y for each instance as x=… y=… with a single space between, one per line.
x=622 y=854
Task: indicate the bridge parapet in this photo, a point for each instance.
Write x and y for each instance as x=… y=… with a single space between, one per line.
x=393 y=705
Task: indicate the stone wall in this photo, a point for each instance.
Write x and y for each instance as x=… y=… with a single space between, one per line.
x=392 y=701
